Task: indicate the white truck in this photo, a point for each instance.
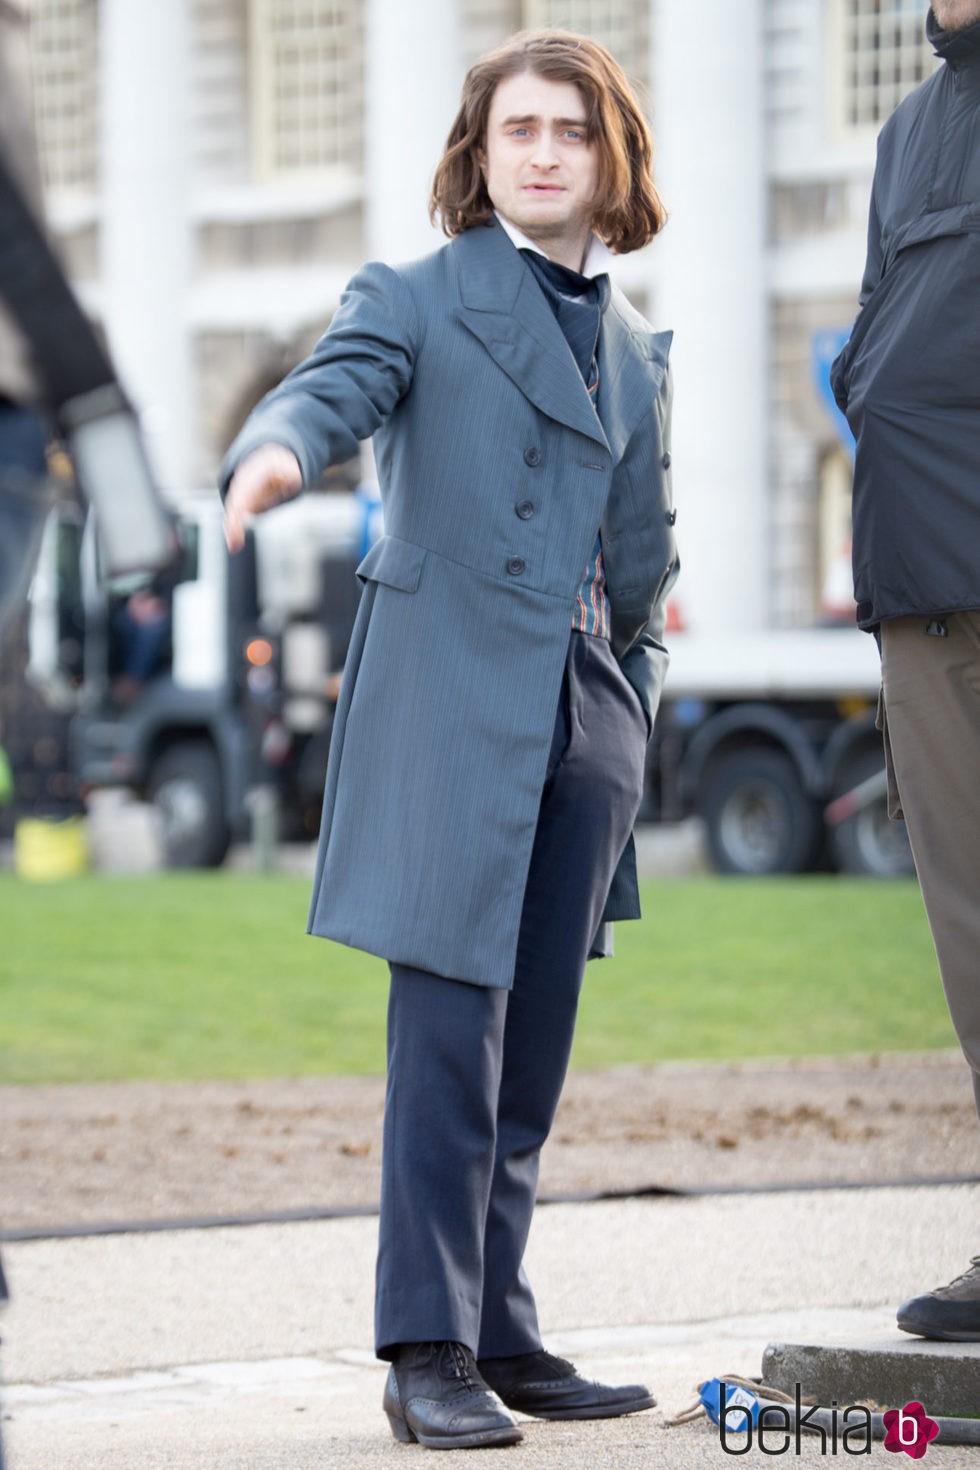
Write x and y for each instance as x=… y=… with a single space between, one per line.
x=770 y=738
x=757 y=734
x=242 y=697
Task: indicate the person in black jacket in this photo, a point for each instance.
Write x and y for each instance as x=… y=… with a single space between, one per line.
x=909 y=381
x=23 y=431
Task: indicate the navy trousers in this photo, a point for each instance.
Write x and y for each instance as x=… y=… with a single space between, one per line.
x=475 y=1074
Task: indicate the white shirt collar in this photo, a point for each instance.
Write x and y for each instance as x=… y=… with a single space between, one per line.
x=598 y=256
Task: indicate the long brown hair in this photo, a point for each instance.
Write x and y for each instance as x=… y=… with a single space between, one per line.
x=628 y=208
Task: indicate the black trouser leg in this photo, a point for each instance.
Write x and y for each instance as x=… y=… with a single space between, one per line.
x=474 y=1075
x=444 y=1052
x=588 y=808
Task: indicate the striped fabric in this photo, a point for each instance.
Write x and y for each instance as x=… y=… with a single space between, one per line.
x=592 y=613
x=592 y=603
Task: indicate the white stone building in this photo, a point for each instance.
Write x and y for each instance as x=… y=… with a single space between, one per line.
x=217 y=169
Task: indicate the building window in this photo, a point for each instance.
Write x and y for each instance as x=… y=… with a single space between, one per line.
x=622 y=26
x=220 y=124
x=307 y=66
x=883 y=54
x=64 y=60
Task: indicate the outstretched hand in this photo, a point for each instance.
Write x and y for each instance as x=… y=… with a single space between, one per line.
x=264 y=479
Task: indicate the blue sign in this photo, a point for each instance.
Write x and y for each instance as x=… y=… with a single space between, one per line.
x=368 y=497
x=824 y=347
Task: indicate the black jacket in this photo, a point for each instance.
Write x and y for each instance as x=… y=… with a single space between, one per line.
x=909 y=377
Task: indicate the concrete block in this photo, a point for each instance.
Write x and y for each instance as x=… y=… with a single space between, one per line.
x=124 y=835
x=943 y=1376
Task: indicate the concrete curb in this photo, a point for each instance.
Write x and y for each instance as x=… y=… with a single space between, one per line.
x=943 y=1376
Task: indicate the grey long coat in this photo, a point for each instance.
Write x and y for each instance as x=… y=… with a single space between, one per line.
x=495 y=473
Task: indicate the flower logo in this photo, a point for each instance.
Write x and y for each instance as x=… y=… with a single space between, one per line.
x=909 y=1429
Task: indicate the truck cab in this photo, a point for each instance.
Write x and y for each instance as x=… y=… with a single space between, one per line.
x=238 y=694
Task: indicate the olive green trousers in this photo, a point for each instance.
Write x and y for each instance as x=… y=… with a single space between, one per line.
x=931 y=726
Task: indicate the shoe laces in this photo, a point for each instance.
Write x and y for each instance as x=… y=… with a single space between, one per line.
x=457 y=1362
x=969 y=1276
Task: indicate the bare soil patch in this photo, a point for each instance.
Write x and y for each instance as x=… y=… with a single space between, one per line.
x=123 y=1152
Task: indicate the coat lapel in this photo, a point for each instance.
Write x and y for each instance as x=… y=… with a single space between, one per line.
x=504 y=308
x=631 y=369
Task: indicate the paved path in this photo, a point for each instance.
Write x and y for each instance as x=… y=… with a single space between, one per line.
x=195 y=1350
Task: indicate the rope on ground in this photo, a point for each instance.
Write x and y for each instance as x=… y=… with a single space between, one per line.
x=753 y=1385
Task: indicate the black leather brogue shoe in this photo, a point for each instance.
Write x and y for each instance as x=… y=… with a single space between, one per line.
x=435 y=1395
x=551 y=1388
x=951 y=1313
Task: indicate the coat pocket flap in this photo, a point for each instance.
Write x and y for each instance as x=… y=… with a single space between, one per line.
x=395 y=563
x=957 y=219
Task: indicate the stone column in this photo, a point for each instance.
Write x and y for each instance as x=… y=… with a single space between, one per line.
x=708 y=273
x=145 y=65
x=414 y=71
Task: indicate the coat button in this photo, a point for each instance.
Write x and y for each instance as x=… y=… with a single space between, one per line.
x=666 y=461
x=525 y=509
x=532 y=456
x=516 y=565
x=671 y=517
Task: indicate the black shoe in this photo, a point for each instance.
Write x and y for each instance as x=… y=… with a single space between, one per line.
x=950 y=1312
x=435 y=1395
x=549 y=1388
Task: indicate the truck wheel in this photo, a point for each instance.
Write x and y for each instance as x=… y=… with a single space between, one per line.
x=185 y=788
x=759 y=818
x=869 y=843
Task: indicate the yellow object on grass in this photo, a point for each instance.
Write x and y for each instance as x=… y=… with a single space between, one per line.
x=47 y=849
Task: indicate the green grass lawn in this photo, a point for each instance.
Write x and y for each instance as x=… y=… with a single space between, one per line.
x=212 y=975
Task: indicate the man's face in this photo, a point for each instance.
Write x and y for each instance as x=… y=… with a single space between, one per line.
x=540 y=164
x=956 y=15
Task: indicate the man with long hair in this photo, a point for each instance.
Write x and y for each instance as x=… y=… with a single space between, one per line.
x=487 y=760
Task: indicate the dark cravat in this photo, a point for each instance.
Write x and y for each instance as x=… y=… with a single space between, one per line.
x=579 y=318
x=578 y=304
